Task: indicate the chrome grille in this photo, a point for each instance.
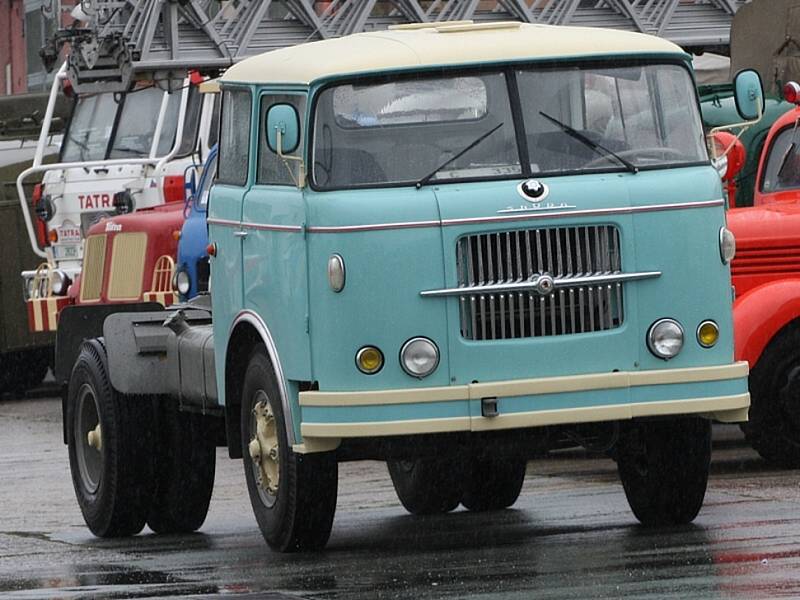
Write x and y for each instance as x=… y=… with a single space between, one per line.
x=523 y=255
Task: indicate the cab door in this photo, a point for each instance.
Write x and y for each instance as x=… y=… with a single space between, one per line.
x=274 y=248
x=234 y=177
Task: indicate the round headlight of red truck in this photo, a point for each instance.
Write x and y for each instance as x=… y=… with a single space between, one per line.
x=419 y=357
x=727 y=245
x=665 y=338
x=59 y=282
x=182 y=282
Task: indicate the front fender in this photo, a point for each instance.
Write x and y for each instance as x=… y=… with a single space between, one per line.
x=760 y=314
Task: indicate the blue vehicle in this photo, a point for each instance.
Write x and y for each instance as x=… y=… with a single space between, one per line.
x=447 y=246
x=192 y=267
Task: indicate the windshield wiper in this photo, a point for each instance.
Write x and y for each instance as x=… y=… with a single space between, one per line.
x=430 y=175
x=599 y=148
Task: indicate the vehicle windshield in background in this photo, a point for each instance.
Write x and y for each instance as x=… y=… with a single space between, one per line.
x=206 y=180
x=137 y=124
x=89 y=128
x=92 y=124
x=576 y=119
x=783 y=163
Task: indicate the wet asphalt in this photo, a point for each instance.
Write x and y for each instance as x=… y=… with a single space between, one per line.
x=570 y=535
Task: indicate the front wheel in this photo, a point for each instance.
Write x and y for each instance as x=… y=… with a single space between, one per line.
x=664 y=468
x=293 y=495
x=109 y=448
x=774 y=425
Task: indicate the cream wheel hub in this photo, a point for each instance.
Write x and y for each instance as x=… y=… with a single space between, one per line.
x=263 y=448
x=95 y=438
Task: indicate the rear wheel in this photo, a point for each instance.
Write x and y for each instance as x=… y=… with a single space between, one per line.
x=109 y=448
x=293 y=495
x=184 y=463
x=493 y=483
x=774 y=425
x=427 y=485
x=664 y=467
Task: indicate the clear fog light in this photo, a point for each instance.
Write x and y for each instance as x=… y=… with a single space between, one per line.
x=707 y=334
x=369 y=360
x=419 y=357
x=727 y=245
x=665 y=338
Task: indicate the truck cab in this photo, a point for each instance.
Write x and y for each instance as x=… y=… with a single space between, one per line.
x=448 y=246
x=767 y=285
x=120 y=153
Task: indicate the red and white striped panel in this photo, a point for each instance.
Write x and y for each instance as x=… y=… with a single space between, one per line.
x=43 y=312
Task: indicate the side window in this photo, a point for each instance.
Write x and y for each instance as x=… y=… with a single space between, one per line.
x=271 y=168
x=234 y=150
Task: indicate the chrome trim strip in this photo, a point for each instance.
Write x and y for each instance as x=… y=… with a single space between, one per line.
x=524 y=217
x=257 y=226
x=252 y=318
x=535 y=284
x=374 y=227
x=272 y=227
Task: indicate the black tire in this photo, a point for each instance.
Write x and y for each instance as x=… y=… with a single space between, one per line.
x=664 y=467
x=298 y=515
x=493 y=483
x=774 y=426
x=427 y=486
x=184 y=462
x=113 y=483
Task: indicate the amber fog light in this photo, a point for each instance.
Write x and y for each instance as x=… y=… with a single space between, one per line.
x=707 y=334
x=419 y=357
x=369 y=360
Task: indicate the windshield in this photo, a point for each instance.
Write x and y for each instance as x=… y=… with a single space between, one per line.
x=89 y=128
x=574 y=119
x=783 y=163
x=134 y=134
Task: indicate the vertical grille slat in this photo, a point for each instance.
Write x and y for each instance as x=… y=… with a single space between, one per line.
x=522 y=255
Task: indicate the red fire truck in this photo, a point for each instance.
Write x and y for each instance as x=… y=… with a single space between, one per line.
x=766 y=278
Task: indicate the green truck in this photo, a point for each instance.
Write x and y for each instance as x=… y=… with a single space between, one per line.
x=24 y=356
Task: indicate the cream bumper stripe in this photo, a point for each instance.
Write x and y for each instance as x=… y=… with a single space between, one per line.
x=526 y=387
x=724 y=408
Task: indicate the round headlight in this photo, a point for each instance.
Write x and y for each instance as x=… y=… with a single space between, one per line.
x=727 y=245
x=419 y=357
x=665 y=338
x=707 y=334
x=59 y=282
x=336 y=275
x=369 y=360
x=721 y=165
x=183 y=283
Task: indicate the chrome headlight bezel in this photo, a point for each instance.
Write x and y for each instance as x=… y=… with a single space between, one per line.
x=659 y=334
x=419 y=357
x=727 y=245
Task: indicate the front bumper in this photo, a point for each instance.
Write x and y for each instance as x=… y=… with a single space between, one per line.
x=718 y=393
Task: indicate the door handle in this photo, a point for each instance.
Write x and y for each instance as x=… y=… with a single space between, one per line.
x=240 y=234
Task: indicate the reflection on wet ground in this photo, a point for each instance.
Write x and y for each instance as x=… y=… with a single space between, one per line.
x=570 y=536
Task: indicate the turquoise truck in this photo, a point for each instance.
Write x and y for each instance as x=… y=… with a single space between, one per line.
x=446 y=246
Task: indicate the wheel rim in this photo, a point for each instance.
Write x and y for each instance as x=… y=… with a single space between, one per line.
x=264 y=450
x=88 y=439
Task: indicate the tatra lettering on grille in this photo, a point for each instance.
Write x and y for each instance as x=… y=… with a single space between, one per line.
x=540 y=282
